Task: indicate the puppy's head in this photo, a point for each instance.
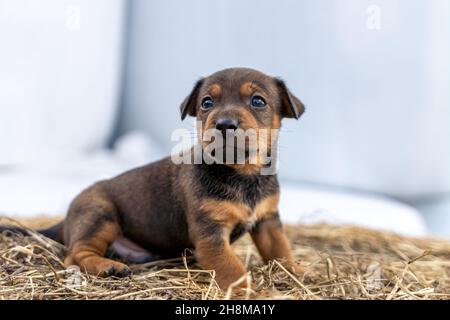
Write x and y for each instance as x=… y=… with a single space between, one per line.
x=240 y=99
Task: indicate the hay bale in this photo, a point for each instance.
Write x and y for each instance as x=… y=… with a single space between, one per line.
x=342 y=262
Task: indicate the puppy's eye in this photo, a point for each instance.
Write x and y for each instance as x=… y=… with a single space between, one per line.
x=258 y=102
x=207 y=103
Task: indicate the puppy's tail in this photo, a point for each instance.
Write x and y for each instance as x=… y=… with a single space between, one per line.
x=54 y=232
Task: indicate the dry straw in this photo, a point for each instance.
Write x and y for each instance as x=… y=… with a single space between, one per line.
x=342 y=263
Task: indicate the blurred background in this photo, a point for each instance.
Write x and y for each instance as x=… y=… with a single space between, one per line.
x=91 y=88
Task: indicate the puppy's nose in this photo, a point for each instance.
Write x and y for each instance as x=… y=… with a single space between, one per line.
x=224 y=124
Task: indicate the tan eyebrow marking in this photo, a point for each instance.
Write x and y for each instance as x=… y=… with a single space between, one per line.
x=247 y=88
x=215 y=90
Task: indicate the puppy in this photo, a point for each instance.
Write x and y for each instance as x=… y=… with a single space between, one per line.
x=158 y=210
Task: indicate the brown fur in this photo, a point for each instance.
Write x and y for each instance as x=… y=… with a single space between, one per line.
x=163 y=208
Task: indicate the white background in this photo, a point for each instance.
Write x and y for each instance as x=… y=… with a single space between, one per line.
x=75 y=75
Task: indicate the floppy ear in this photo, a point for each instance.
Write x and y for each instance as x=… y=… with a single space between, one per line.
x=291 y=106
x=189 y=105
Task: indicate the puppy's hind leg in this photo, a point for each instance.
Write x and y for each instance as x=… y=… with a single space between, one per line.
x=92 y=226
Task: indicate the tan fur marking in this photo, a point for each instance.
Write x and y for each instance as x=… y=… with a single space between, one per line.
x=226 y=212
x=276 y=121
x=230 y=213
x=247 y=120
x=246 y=168
x=215 y=90
x=271 y=242
x=267 y=207
x=89 y=254
x=211 y=119
x=223 y=260
x=248 y=88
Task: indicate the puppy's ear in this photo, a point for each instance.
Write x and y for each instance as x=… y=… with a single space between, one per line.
x=291 y=106
x=189 y=104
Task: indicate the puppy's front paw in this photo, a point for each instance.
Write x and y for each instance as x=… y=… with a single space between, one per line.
x=112 y=268
x=295 y=268
x=300 y=271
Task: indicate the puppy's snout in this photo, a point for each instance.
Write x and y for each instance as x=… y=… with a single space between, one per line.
x=224 y=124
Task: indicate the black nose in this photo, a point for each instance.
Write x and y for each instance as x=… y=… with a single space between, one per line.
x=226 y=124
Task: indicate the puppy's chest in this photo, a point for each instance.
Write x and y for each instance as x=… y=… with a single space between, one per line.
x=242 y=219
x=222 y=184
x=239 y=217
x=235 y=200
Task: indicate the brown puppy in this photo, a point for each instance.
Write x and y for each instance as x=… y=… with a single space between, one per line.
x=160 y=209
